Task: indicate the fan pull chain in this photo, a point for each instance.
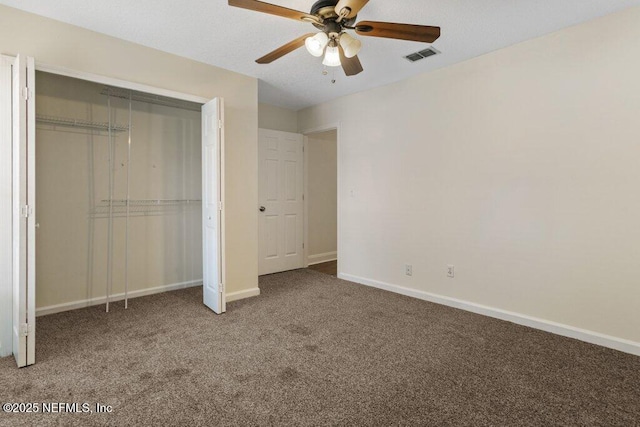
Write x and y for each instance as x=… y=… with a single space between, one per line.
x=325 y=72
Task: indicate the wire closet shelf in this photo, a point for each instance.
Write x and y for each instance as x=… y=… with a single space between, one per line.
x=80 y=124
x=141 y=207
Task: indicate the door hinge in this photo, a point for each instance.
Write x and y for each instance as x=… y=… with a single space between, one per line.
x=219 y=124
x=24 y=330
x=221 y=287
x=27 y=93
x=219 y=206
x=26 y=211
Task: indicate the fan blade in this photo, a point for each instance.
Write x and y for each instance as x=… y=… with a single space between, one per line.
x=389 y=30
x=353 y=7
x=260 y=6
x=351 y=66
x=283 y=50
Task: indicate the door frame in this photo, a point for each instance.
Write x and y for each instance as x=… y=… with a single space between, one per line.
x=140 y=87
x=337 y=126
x=111 y=81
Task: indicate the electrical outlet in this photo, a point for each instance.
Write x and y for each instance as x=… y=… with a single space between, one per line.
x=450 y=271
x=408 y=270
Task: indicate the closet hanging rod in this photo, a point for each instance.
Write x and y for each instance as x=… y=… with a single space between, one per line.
x=152 y=201
x=76 y=123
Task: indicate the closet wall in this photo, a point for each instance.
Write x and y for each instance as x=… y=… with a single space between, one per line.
x=72 y=179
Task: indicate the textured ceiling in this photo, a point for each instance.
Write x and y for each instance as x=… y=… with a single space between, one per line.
x=215 y=33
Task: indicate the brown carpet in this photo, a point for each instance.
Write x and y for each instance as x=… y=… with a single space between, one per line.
x=316 y=350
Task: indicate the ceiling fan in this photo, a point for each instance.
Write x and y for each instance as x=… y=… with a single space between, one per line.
x=332 y=18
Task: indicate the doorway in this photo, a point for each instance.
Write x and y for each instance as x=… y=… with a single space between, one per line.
x=298 y=201
x=321 y=200
x=118 y=178
x=281 y=201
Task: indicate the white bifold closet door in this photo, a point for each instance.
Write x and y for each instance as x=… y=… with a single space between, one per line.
x=212 y=188
x=24 y=186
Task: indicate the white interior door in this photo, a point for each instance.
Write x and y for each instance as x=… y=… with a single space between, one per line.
x=280 y=194
x=24 y=183
x=212 y=188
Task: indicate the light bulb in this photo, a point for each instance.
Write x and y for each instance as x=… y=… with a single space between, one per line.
x=316 y=44
x=332 y=57
x=350 y=45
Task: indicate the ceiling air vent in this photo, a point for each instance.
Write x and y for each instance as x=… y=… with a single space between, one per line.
x=413 y=57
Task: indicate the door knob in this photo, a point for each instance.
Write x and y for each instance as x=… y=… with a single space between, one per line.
x=262 y=209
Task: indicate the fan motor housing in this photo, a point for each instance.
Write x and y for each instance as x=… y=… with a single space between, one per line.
x=332 y=27
x=326 y=9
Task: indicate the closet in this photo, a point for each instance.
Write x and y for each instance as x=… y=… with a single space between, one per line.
x=119 y=193
x=116 y=192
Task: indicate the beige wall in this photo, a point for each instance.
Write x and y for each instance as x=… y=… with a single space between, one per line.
x=59 y=44
x=322 y=198
x=277 y=118
x=519 y=167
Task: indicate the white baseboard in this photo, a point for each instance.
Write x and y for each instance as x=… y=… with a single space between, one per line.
x=597 y=338
x=247 y=293
x=320 y=258
x=51 y=309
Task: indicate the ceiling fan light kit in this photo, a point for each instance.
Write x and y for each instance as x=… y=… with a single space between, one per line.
x=350 y=45
x=315 y=45
x=332 y=57
x=333 y=17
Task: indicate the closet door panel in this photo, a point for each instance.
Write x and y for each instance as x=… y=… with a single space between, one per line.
x=23 y=116
x=213 y=288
